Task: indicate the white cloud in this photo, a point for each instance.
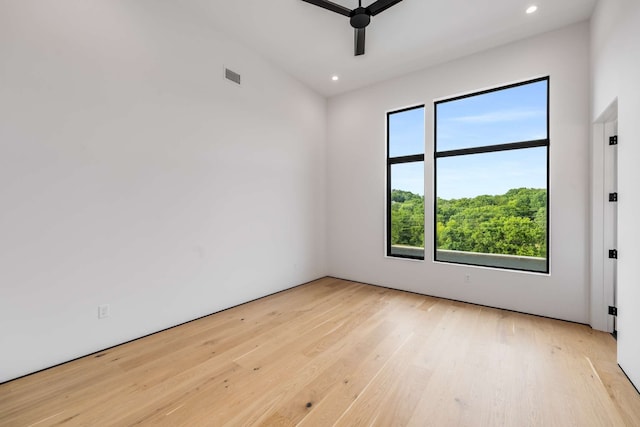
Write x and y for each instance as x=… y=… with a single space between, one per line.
x=500 y=116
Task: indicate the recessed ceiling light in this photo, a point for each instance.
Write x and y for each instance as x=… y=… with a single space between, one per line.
x=531 y=9
x=335 y=78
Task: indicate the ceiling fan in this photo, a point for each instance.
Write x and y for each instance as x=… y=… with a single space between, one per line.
x=360 y=17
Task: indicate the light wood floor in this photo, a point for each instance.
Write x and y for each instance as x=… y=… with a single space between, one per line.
x=334 y=352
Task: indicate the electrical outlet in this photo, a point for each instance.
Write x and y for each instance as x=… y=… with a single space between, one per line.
x=103 y=311
x=467 y=278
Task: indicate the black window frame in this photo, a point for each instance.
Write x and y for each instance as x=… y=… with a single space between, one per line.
x=414 y=158
x=491 y=149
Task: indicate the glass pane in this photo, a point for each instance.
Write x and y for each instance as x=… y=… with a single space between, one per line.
x=491 y=209
x=406 y=132
x=407 y=209
x=509 y=115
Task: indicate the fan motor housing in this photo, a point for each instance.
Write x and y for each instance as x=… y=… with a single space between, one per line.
x=360 y=18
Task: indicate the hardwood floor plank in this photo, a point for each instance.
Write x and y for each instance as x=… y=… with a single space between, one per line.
x=334 y=352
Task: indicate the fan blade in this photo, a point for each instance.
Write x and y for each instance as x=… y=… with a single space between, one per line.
x=330 y=6
x=359 y=42
x=380 y=6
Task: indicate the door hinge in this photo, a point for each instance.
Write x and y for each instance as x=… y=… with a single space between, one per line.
x=613 y=197
x=613 y=253
x=613 y=311
x=613 y=140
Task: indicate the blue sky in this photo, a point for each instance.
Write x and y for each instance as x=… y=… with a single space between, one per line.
x=406 y=133
x=512 y=115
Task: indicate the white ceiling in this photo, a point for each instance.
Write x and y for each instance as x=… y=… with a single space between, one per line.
x=312 y=43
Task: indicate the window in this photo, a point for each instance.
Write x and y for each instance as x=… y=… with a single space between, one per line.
x=491 y=172
x=405 y=183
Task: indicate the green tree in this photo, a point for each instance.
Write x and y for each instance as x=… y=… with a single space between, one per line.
x=407 y=218
x=514 y=223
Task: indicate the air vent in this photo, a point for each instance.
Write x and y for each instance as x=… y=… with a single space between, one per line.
x=231 y=76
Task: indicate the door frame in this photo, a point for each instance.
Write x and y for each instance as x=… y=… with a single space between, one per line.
x=602 y=295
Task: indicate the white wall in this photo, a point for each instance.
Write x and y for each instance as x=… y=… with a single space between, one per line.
x=132 y=174
x=356 y=178
x=615 y=54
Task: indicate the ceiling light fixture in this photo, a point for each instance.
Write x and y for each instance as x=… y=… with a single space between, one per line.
x=335 y=78
x=531 y=9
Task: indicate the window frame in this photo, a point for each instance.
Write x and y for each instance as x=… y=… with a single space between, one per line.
x=412 y=158
x=518 y=145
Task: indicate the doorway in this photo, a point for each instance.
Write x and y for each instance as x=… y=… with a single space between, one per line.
x=604 y=220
